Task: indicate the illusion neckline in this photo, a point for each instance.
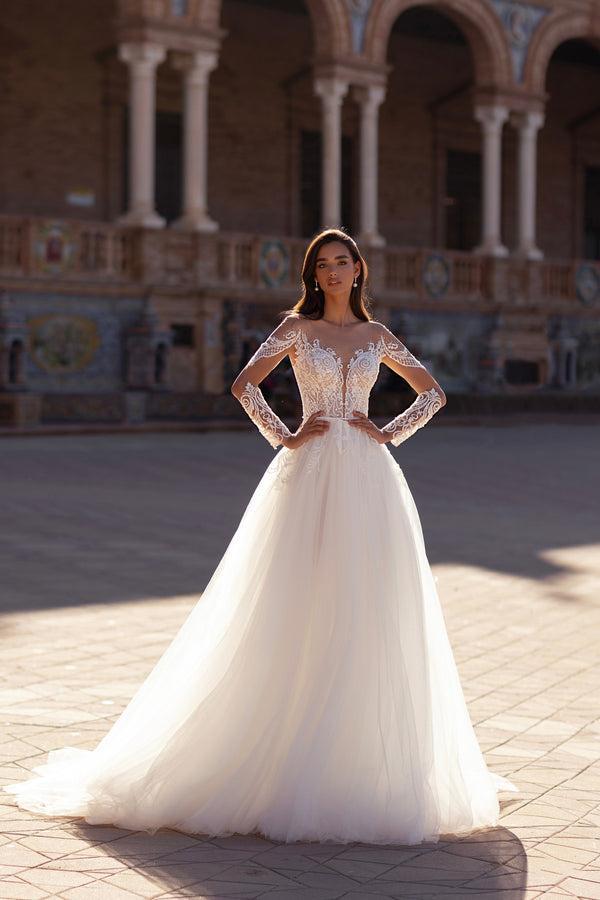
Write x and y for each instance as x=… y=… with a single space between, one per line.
x=359 y=351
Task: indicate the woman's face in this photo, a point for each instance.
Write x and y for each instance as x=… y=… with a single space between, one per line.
x=335 y=270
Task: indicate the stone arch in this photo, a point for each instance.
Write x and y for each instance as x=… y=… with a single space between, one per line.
x=479 y=23
x=161 y=357
x=553 y=31
x=330 y=21
x=16 y=360
x=207 y=12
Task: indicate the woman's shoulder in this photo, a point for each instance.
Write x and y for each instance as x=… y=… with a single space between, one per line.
x=377 y=330
x=290 y=321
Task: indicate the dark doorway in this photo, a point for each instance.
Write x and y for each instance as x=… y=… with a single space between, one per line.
x=310 y=183
x=168 y=178
x=169 y=165
x=591 y=236
x=521 y=371
x=463 y=200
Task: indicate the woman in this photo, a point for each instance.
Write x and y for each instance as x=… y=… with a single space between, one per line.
x=312 y=693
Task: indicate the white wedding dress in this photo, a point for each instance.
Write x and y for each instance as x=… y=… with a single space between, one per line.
x=312 y=693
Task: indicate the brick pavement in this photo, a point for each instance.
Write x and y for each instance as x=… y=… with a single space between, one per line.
x=93 y=523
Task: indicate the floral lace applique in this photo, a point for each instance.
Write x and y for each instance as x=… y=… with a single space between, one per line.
x=413 y=418
x=398 y=352
x=274 y=345
x=270 y=425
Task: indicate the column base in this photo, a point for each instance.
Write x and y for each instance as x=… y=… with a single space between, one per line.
x=371 y=239
x=142 y=219
x=491 y=248
x=195 y=222
x=532 y=253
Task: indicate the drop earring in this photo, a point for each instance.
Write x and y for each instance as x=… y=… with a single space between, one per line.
x=355 y=282
x=316 y=285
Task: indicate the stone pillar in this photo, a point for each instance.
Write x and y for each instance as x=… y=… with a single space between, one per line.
x=196 y=69
x=528 y=125
x=491 y=118
x=142 y=60
x=370 y=99
x=331 y=91
x=210 y=357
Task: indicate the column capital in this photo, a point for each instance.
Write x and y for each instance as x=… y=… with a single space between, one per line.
x=529 y=121
x=369 y=96
x=142 y=55
x=491 y=117
x=331 y=89
x=198 y=64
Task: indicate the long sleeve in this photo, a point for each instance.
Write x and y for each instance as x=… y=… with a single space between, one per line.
x=413 y=418
x=270 y=426
x=246 y=389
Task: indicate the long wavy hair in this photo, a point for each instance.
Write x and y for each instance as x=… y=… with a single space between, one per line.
x=312 y=302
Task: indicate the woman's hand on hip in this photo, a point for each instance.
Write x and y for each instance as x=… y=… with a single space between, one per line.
x=313 y=427
x=363 y=423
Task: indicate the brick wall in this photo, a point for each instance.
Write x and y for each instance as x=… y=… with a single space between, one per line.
x=51 y=115
x=65 y=94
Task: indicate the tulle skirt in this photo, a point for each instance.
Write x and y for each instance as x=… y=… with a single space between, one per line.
x=312 y=693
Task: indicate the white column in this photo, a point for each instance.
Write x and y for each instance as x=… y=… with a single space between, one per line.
x=370 y=99
x=332 y=92
x=142 y=60
x=528 y=125
x=492 y=118
x=196 y=71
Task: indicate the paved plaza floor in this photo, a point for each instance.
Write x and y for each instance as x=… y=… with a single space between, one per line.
x=107 y=539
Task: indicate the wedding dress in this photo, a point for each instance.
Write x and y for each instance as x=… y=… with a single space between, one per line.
x=312 y=693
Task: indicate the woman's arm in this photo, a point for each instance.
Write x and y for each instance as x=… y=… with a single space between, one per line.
x=430 y=397
x=245 y=387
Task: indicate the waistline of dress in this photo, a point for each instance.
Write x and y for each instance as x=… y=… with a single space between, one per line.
x=336 y=418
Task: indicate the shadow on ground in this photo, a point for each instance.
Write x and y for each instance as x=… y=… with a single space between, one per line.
x=490 y=863
x=103 y=518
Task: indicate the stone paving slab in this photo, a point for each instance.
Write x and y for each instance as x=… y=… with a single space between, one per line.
x=108 y=539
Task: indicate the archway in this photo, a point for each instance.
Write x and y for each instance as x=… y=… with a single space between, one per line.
x=477 y=21
x=430 y=143
x=554 y=30
x=331 y=27
x=569 y=158
x=16 y=359
x=265 y=119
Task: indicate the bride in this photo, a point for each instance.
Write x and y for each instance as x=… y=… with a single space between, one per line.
x=312 y=693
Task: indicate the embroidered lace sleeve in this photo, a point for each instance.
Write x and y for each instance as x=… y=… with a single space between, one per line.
x=246 y=389
x=413 y=418
x=277 y=344
x=270 y=425
x=394 y=349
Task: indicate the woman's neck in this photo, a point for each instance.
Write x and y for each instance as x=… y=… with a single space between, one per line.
x=338 y=314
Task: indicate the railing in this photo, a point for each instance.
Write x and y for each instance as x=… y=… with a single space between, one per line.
x=257 y=261
x=41 y=247
x=434 y=274
x=558 y=279
x=100 y=252
x=14 y=245
x=573 y=280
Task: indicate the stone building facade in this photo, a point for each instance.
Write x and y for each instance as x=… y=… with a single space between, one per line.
x=163 y=163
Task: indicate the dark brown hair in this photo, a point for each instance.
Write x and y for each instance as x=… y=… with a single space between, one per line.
x=312 y=302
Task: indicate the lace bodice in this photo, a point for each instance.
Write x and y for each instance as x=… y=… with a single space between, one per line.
x=329 y=384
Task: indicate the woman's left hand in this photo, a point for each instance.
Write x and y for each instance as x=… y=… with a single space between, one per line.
x=363 y=423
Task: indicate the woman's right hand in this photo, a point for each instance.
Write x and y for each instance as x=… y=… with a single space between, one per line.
x=313 y=427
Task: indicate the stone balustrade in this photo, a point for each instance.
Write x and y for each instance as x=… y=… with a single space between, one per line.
x=96 y=253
